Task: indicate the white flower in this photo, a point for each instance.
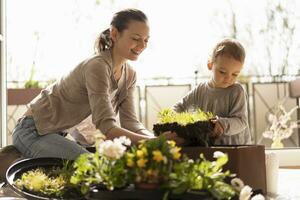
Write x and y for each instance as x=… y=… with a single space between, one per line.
x=245 y=193
x=124 y=140
x=218 y=154
x=268 y=134
x=258 y=197
x=237 y=184
x=112 y=149
x=293 y=125
x=272 y=117
x=281 y=124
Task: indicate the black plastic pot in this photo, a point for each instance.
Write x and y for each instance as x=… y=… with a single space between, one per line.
x=195 y=134
x=131 y=193
x=16 y=170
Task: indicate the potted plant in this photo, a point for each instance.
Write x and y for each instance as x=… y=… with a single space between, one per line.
x=151 y=162
x=105 y=167
x=110 y=172
x=195 y=127
x=22 y=96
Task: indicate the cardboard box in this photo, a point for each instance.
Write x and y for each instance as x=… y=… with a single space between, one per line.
x=247 y=162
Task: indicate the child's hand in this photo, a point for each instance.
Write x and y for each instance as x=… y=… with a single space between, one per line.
x=173 y=136
x=218 y=129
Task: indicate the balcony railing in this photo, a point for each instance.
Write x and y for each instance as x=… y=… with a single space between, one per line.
x=154 y=95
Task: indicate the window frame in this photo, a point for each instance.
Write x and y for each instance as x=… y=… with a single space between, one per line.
x=3 y=138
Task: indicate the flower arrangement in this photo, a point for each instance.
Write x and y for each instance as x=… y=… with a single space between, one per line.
x=195 y=127
x=155 y=162
x=152 y=161
x=281 y=125
x=107 y=166
x=159 y=162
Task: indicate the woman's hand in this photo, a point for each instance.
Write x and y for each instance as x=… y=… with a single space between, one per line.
x=134 y=137
x=173 y=136
x=146 y=133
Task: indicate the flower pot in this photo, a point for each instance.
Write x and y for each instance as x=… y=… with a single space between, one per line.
x=146 y=186
x=21 y=96
x=195 y=134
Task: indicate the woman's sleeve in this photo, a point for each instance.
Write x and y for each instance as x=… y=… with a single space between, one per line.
x=127 y=112
x=237 y=119
x=97 y=77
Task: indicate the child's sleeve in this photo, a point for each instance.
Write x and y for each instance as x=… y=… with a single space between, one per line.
x=237 y=120
x=187 y=102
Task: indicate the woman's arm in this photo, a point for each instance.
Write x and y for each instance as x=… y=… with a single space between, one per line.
x=127 y=112
x=98 y=78
x=134 y=137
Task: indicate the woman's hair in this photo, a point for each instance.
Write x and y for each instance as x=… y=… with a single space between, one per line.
x=120 y=21
x=229 y=47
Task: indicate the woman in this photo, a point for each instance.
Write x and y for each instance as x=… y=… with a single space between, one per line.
x=101 y=86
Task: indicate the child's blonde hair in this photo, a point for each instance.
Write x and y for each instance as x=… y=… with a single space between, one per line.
x=229 y=47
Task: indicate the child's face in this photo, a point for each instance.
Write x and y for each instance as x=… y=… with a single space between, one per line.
x=131 y=42
x=225 y=70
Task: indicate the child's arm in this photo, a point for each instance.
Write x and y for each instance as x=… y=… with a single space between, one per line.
x=237 y=119
x=187 y=102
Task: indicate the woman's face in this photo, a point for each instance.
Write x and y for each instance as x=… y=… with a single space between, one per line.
x=225 y=71
x=131 y=42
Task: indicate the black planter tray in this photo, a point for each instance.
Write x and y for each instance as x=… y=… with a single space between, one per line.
x=16 y=170
x=130 y=193
x=195 y=134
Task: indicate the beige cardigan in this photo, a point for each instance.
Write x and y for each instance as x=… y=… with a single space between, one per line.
x=86 y=90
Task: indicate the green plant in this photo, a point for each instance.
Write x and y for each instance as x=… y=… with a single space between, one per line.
x=202 y=175
x=196 y=128
x=31 y=83
x=170 y=116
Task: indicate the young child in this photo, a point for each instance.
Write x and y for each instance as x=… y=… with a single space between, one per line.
x=222 y=95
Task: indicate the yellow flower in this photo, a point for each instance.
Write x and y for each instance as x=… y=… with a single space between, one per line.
x=149 y=172
x=130 y=162
x=141 y=143
x=145 y=151
x=172 y=143
x=142 y=162
x=175 y=152
x=130 y=155
x=157 y=156
x=139 y=153
x=176 y=156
